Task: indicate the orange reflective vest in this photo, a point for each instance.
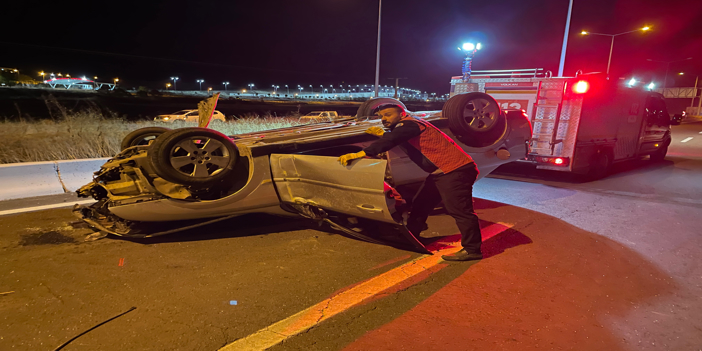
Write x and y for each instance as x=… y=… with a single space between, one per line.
x=438 y=147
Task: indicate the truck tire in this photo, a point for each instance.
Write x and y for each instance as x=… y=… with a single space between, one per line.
x=659 y=155
x=600 y=165
x=475 y=118
x=195 y=157
x=142 y=136
x=365 y=111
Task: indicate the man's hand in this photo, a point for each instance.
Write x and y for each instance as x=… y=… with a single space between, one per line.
x=344 y=160
x=377 y=131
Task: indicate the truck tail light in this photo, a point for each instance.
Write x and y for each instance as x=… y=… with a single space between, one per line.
x=581 y=87
x=556 y=161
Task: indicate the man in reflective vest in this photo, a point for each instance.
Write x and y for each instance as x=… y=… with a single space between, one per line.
x=452 y=173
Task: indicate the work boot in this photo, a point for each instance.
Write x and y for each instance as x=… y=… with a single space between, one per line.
x=463 y=255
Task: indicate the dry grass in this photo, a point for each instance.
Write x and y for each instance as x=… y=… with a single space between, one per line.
x=90 y=134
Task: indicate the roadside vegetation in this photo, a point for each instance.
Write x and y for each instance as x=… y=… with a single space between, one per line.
x=90 y=134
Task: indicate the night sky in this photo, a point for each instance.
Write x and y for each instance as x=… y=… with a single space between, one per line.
x=333 y=41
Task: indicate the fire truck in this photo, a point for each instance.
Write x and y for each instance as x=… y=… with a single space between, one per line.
x=581 y=124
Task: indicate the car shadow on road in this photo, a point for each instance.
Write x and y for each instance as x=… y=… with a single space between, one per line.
x=262 y=224
x=242 y=226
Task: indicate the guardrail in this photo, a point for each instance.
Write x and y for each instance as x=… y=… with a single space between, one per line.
x=29 y=179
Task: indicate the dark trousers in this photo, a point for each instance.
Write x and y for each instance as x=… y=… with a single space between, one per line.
x=456 y=191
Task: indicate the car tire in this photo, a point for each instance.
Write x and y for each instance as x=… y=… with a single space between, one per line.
x=194 y=157
x=365 y=111
x=142 y=136
x=659 y=155
x=475 y=119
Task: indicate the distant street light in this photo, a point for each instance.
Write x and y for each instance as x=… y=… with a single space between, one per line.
x=286 y=87
x=301 y=88
x=175 y=80
x=311 y=88
x=251 y=86
x=225 y=85
x=611 y=47
x=95 y=78
x=665 y=78
x=168 y=85
x=116 y=80
x=200 y=81
x=42 y=75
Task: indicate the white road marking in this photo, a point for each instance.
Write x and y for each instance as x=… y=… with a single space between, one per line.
x=686 y=140
x=45 y=207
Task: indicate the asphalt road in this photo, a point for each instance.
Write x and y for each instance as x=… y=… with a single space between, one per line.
x=610 y=264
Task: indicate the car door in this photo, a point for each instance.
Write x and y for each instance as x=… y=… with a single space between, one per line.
x=356 y=190
x=320 y=181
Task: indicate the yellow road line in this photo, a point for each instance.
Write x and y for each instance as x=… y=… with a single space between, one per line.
x=330 y=307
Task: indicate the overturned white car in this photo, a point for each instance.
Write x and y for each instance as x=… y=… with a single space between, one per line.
x=169 y=180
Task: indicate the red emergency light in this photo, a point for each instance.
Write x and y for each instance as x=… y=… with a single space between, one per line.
x=581 y=87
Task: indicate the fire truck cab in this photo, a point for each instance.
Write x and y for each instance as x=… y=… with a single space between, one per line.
x=581 y=124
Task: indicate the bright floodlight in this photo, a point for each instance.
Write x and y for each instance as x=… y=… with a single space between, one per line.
x=651 y=86
x=632 y=82
x=468 y=46
x=479 y=46
x=681 y=73
x=584 y=32
x=646 y=28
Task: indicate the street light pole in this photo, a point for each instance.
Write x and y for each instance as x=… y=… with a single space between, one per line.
x=470 y=50
x=667 y=67
x=377 y=51
x=694 y=94
x=609 y=62
x=611 y=47
x=565 y=40
x=175 y=85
